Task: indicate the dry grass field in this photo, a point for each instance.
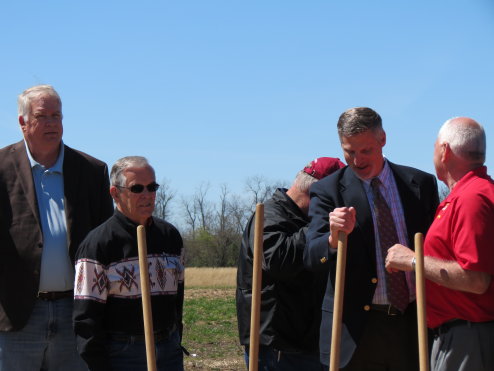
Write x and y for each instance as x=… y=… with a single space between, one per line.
x=210 y=277
x=210 y=324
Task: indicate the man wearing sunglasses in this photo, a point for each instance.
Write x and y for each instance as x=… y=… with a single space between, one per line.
x=108 y=318
x=51 y=196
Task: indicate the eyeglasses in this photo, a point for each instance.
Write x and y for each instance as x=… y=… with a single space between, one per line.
x=139 y=188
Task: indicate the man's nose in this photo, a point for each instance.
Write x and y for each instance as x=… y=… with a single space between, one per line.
x=357 y=160
x=148 y=192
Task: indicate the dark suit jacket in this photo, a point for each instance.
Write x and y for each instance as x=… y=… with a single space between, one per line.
x=88 y=203
x=419 y=197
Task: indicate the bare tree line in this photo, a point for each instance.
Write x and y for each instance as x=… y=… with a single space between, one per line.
x=212 y=229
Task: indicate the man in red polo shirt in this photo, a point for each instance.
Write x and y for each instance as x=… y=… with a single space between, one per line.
x=459 y=253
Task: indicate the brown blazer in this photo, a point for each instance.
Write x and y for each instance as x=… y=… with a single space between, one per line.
x=88 y=203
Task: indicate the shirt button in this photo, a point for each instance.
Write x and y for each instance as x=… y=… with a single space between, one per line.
x=367 y=308
x=374 y=280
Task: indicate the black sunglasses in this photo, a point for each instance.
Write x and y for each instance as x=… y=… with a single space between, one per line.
x=139 y=188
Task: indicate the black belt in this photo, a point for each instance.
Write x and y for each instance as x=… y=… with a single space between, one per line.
x=158 y=336
x=446 y=326
x=387 y=308
x=55 y=295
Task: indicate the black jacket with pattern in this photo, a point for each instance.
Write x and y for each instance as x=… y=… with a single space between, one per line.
x=107 y=292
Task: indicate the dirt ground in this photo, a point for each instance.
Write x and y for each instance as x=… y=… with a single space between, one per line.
x=202 y=365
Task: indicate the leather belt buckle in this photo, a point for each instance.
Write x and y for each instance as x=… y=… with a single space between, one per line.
x=55 y=295
x=386 y=308
x=392 y=311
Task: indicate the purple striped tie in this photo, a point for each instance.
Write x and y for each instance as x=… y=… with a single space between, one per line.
x=396 y=285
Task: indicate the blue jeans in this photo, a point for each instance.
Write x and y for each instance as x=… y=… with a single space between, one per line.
x=274 y=360
x=131 y=355
x=47 y=342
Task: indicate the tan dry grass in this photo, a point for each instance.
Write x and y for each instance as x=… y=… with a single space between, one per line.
x=210 y=277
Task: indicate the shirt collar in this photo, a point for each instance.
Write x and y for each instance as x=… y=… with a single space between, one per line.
x=56 y=168
x=130 y=223
x=480 y=172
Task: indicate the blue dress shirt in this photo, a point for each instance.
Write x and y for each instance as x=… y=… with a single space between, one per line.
x=57 y=271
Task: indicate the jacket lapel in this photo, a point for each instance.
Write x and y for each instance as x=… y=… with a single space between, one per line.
x=353 y=194
x=24 y=173
x=71 y=188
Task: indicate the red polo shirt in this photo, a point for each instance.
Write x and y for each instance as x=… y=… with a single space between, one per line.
x=463 y=230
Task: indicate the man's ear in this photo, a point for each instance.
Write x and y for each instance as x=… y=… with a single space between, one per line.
x=115 y=193
x=22 y=123
x=381 y=137
x=446 y=152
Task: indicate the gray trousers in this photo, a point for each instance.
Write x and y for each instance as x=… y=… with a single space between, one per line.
x=467 y=346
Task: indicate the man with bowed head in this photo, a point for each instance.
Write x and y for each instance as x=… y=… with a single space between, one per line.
x=291 y=296
x=459 y=258
x=108 y=319
x=377 y=203
x=51 y=196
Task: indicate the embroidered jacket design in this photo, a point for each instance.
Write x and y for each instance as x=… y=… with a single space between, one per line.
x=121 y=279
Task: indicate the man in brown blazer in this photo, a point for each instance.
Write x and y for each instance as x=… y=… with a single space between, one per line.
x=51 y=196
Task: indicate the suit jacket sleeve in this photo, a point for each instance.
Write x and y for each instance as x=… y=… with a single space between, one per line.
x=318 y=251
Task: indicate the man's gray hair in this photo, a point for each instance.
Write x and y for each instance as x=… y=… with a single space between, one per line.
x=117 y=177
x=303 y=181
x=465 y=140
x=26 y=97
x=358 y=120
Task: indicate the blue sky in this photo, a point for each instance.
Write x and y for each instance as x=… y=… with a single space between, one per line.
x=218 y=91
